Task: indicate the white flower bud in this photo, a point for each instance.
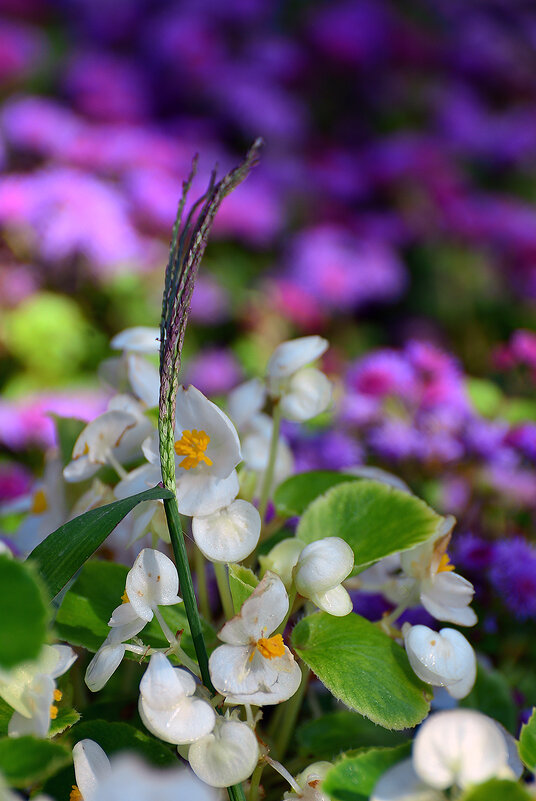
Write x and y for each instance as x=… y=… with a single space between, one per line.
x=153 y=581
x=91 y=766
x=103 y=665
x=282 y=559
x=310 y=781
x=227 y=755
x=444 y=658
x=321 y=567
x=308 y=394
x=139 y=339
x=290 y=356
x=230 y=534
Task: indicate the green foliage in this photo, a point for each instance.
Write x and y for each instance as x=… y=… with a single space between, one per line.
x=24 y=613
x=84 y=613
x=527 y=742
x=67 y=429
x=65 y=719
x=363 y=668
x=485 y=396
x=5 y=715
x=374 y=519
x=327 y=736
x=27 y=760
x=242 y=582
x=497 y=790
x=66 y=549
x=354 y=777
x=492 y=696
x=294 y=495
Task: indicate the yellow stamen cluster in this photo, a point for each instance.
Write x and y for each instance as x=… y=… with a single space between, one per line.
x=445 y=564
x=39 y=504
x=58 y=695
x=270 y=647
x=192 y=446
x=75 y=795
x=124 y=598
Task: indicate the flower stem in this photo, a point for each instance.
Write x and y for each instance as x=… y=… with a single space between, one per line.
x=187 y=588
x=255 y=782
x=202 y=591
x=269 y=472
x=222 y=579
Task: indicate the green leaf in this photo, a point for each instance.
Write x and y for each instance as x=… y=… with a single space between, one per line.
x=294 y=495
x=354 y=777
x=65 y=719
x=27 y=760
x=374 y=519
x=497 y=790
x=67 y=429
x=66 y=549
x=491 y=695
x=527 y=742
x=363 y=668
x=6 y=712
x=327 y=736
x=242 y=582
x=24 y=613
x=485 y=396
x=84 y=613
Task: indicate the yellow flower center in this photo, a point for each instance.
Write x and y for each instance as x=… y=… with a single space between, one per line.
x=445 y=564
x=76 y=795
x=270 y=647
x=58 y=695
x=124 y=598
x=39 y=504
x=192 y=446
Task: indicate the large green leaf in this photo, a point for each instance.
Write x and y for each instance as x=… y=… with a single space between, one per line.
x=354 y=777
x=363 y=668
x=25 y=613
x=294 y=495
x=374 y=519
x=242 y=582
x=492 y=696
x=68 y=430
x=84 y=613
x=66 y=549
x=27 y=760
x=527 y=742
x=497 y=790
x=325 y=737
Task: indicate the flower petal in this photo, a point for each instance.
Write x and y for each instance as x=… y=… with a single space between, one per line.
x=152 y=581
x=401 y=783
x=199 y=493
x=227 y=756
x=91 y=766
x=103 y=665
x=260 y=615
x=139 y=339
x=308 y=394
x=230 y=534
x=290 y=356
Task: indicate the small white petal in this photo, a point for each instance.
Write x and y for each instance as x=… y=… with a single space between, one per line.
x=290 y=356
x=140 y=339
x=278 y=679
x=446 y=596
x=38 y=697
x=203 y=494
x=227 y=756
x=444 y=658
x=103 y=665
x=80 y=469
x=260 y=615
x=230 y=534
x=246 y=401
x=308 y=394
x=335 y=602
x=401 y=783
x=102 y=434
x=186 y=721
x=152 y=581
x=66 y=657
x=144 y=379
x=322 y=565
x=162 y=684
x=91 y=766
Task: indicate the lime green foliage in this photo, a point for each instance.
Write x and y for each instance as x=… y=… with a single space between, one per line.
x=242 y=582
x=527 y=743
x=64 y=720
x=326 y=737
x=24 y=613
x=294 y=495
x=84 y=613
x=497 y=790
x=354 y=777
x=374 y=519
x=27 y=760
x=66 y=549
x=492 y=696
x=363 y=668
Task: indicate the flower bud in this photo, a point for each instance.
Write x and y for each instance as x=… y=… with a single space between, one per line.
x=444 y=658
x=321 y=567
x=282 y=559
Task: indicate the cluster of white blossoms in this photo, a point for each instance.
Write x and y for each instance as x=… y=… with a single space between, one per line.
x=457 y=748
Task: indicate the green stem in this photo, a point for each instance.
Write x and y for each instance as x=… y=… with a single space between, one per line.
x=222 y=580
x=202 y=590
x=187 y=588
x=289 y=711
x=269 y=472
x=255 y=782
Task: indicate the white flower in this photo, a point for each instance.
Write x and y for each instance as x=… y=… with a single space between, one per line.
x=463 y=747
x=167 y=704
x=444 y=658
x=252 y=667
x=256 y=452
x=319 y=571
x=125 y=624
x=140 y=339
x=444 y=594
x=226 y=756
x=310 y=783
x=282 y=559
x=229 y=534
x=144 y=379
x=208 y=450
x=245 y=403
x=46 y=506
x=152 y=581
x=91 y=766
x=303 y=392
x=401 y=783
x=31 y=690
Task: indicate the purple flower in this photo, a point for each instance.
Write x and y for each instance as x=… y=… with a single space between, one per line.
x=15 y=480
x=328 y=450
x=472 y=553
x=213 y=371
x=23 y=49
x=210 y=302
x=513 y=575
x=382 y=373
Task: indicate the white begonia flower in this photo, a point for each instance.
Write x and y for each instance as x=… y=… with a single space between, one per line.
x=125 y=624
x=319 y=571
x=208 y=450
x=310 y=783
x=149 y=515
x=168 y=706
x=139 y=339
x=226 y=756
x=256 y=452
x=463 y=747
x=282 y=559
x=443 y=659
x=254 y=667
x=444 y=594
x=401 y=783
x=46 y=506
x=31 y=690
x=152 y=581
x=91 y=766
x=144 y=379
x=303 y=392
x=229 y=534
x=245 y=402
